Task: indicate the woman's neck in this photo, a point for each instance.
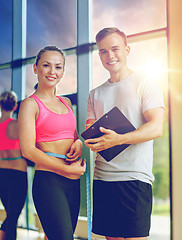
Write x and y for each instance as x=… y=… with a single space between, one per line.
x=48 y=93
x=5 y=115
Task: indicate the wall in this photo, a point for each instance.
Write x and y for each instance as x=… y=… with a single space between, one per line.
x=175 y=88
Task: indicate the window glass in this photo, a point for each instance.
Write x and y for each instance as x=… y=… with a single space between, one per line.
x=68 y=83
x=31 y=80
x=6 y=31
x=50 y=23
x=129 y=16
x=100 y=74
x=5 y=79
x=150 y=57
x=32 y=216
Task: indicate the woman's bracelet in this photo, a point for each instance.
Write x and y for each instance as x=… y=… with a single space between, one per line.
x=88 y=125
x=80 y=141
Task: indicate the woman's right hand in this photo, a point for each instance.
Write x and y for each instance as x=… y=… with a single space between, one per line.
x=76 y=169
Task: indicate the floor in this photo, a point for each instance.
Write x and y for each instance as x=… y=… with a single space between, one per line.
x=32 y=235
x=29 y=235
x=23 y=234
x=162 y=233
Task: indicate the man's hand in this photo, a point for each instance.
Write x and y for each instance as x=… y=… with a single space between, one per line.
x=148 y=131
x=109 y=139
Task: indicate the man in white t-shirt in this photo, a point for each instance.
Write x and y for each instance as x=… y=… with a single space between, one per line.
x=122 y=187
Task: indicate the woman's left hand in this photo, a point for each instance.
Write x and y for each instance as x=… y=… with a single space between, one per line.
x=75 y=151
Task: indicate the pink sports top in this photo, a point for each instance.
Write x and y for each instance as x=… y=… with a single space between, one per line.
x=52 y=126
x=5 y=142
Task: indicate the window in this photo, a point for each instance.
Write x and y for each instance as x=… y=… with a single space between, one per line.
x=129 y=16
x=68 y=84
x=150 y=57
x=5 y=79
x=55 y=24
x=6 y=31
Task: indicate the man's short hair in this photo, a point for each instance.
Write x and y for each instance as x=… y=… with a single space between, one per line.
x=108 y=31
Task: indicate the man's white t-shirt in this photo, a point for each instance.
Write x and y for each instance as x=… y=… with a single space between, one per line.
x=133 y=96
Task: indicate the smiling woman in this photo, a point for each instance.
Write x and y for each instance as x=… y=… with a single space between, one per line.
x=49 y=138
x=51 y=70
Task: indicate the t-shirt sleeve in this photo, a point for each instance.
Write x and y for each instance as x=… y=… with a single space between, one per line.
x=151 y=96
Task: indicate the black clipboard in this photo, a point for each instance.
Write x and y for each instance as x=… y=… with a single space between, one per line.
x=114 y=120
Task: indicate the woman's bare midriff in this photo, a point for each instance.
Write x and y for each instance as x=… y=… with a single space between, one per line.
x=60 y=147
x=19 y=164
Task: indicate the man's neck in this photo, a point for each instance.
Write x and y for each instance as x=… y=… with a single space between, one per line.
x=120 y=75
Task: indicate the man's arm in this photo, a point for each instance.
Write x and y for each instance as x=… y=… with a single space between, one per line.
x=152 y=129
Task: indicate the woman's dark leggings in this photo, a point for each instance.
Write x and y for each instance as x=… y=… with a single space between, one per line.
x=57 y=201
x=13 y=192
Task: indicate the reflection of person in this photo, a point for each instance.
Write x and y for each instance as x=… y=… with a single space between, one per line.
x=13 y=176
x=123 y=187
x=47 y=134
